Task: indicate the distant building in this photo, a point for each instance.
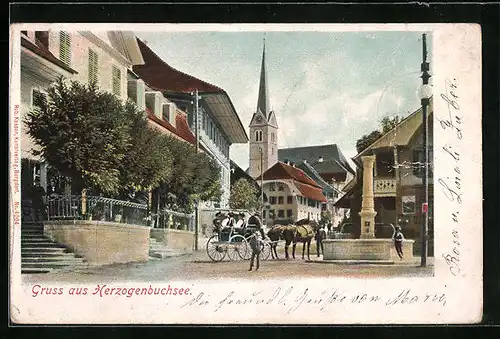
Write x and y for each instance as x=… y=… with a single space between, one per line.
x=398 y=172
x=292 y=195
x=218 y=121
x=327 y=162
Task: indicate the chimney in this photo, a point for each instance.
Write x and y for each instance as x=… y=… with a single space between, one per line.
x=320 y=159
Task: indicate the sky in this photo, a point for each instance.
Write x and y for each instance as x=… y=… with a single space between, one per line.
x=325 y=87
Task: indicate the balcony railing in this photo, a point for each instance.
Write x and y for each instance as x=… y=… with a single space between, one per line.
x=385 y=187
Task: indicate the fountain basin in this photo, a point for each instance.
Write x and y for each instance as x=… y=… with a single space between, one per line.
x=365 y=249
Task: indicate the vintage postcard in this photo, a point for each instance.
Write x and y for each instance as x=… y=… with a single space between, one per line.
x=245 y=174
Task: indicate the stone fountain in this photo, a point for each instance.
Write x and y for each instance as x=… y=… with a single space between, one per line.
x=367 y=247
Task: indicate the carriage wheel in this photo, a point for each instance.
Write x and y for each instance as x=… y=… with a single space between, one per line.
x=265 y=251
x=237 y=248
x=215 y=250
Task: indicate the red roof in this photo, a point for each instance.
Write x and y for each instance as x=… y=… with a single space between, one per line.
x=283 y=171
x=161 y=76
x=310 y=192
x=39 y=49
x=305 y=184
x=182 y=129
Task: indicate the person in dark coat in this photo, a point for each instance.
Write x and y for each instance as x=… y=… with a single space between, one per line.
x=37 y=198
x=398 y=241
x=255 y=239
x=319 y=236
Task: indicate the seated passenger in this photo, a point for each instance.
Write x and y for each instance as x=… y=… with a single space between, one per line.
x=228 y=221
x=241 y=221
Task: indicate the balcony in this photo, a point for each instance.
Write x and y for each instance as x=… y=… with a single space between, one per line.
x=384 y=187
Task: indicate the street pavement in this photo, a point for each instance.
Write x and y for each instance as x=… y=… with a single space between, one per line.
x=197 y=265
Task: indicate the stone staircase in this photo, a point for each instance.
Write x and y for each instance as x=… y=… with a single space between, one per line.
x=39 y=254
x=159 y=250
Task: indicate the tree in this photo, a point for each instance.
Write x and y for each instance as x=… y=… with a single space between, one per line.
x=148 y=161
x=244 y=195
x=367 y=140
x=387 y=123
x=81 y=134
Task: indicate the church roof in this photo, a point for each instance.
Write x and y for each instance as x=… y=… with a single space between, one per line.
x=263 y=101
x=333 y=159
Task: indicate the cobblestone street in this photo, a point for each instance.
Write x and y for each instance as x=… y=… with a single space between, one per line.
x=199 y=266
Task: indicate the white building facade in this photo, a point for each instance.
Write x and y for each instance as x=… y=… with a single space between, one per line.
x=83 y=56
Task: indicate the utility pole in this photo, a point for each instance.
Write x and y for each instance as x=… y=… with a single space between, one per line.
x=425 y=98
x=197 y=134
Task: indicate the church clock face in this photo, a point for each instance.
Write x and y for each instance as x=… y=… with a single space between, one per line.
x=259 y=119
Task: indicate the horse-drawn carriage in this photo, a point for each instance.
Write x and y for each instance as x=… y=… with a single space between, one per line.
x=233 y=241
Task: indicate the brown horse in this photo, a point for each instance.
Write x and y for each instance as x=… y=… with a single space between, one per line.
x=302 y=231
x=275 y=234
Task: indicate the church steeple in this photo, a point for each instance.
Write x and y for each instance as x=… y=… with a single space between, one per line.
x=263 y=153
x=263 y=100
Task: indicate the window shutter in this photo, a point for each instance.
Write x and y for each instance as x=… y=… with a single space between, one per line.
x=65 y=47
x=116 y=81
x=38 y=98
x=93 y=66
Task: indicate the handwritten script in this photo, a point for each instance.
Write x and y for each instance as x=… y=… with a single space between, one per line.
x=292 y=299
x=451 y=184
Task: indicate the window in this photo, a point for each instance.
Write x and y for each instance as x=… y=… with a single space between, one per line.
x=289 y=200
x=264 y=214
x=93 y=66
x=258 y=135
x=272 y=137
x=280 y=200
x=272 y=200
x=65 y=47
x=116 y=80
x=289 y=213
x=281 y=213
x=272 y=187
x=38 y=98
x=409 y=204
x=281 y=187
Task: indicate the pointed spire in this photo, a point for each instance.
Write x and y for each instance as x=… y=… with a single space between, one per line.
x=263 y=100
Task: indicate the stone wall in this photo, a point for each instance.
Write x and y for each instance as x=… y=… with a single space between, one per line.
x=100 y=242
x=174 y=239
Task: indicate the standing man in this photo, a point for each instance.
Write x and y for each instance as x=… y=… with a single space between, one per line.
x=398 y=242
x=255 y=239
x=320 y=235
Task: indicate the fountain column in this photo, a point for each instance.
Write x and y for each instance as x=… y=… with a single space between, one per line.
x=367 y=207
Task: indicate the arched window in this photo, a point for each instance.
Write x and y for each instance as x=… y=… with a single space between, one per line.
x=272 y=137
x=258 y=135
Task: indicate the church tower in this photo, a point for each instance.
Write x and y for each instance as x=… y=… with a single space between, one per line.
x=263 y=129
